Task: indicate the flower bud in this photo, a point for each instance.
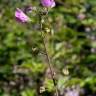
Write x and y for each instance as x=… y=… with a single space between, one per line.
x=21 y=16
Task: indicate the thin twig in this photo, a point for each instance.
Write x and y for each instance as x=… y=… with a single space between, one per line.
x=48 y=58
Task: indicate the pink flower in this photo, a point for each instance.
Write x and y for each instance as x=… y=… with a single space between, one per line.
x=48 y=3
x=21 y=16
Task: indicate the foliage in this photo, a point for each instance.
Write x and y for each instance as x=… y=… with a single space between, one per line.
x=71 y=45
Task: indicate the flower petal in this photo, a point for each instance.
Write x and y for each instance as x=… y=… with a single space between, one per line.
x=21 y=16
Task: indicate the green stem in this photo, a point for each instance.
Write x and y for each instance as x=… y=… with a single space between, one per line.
x=48 y=58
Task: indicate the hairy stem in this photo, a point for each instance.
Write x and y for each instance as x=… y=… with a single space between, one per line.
x=48 y=58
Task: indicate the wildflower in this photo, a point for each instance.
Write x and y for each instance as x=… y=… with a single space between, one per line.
x=21 y=16
x=48 y=3
x=73 y=92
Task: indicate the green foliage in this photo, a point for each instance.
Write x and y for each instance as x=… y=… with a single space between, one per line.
x=72 y=45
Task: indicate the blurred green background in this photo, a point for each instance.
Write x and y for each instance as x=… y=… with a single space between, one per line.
x=71 y=45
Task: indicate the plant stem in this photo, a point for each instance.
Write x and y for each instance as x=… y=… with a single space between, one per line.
x=48 y=58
